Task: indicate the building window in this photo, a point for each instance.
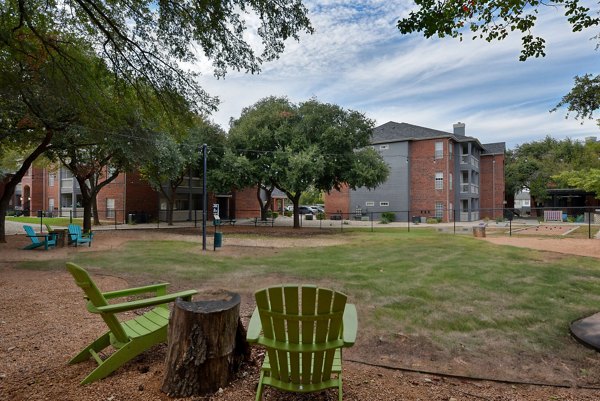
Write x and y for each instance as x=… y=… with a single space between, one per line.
x=384 y=147
x=439 y=210
x=450 y=146
x=51 y=177
x=439 y=180
x=50 y=204
x=66 y=173
x=439 y=150
x=384 y=203
x=450 y=181
x=66 y=200
x=110 y=208
x=370 y=203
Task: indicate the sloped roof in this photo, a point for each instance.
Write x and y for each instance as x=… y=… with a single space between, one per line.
x=397 y=132
x=496 y=148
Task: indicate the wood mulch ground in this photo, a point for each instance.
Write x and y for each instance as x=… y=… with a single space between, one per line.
x=43 y=323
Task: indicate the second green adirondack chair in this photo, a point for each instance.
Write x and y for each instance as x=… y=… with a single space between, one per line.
x=303 y=329
x=132 y=337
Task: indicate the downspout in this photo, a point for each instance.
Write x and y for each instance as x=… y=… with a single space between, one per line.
x=448 y=181
x=44 y=175
x=494 y=186
x=125 y=198
x=190 y=197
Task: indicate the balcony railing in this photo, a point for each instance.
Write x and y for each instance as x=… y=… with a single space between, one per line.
x=469 y=159
x=466 y=188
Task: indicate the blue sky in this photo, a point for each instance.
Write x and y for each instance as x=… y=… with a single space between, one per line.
x=358 y=59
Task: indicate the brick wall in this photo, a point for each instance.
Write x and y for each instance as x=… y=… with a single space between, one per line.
x=491 y=186
x=32 y=186
x=423 y=167
x=140 y=197
x=246 y=203
x=337 y=201
x=115 y=190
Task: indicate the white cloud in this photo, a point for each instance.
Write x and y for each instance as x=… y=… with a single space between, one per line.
x=358 y=59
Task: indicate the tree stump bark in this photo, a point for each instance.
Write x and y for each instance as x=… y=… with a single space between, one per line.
x=207 y=345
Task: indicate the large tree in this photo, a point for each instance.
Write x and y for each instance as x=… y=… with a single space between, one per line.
x=536 y=165
x=262 y=130
x=177 y=154
x=493 y=20
x=310 y=145
x=143 y=42
x=149 y=40
x=41 y=96
x=586 y=174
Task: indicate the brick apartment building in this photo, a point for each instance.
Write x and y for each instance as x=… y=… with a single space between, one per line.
x=57 y=193
x=433 y=173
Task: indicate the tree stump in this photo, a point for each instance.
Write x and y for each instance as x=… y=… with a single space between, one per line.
x=207 y=344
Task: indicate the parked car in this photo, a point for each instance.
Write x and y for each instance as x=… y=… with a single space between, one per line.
x=305 y=210
x=318 y=209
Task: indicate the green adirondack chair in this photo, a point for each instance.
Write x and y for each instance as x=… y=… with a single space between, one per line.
x=132 y=337
x=39 y=240
x=307 y=356
x=78 y=237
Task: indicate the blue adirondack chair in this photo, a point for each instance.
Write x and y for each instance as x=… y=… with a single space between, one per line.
x=78 y=237
x=39 y=240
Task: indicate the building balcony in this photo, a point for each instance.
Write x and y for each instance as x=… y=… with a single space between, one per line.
x=466 y=188
x=469 y=160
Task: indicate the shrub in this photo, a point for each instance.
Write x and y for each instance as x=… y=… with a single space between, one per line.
x=432 y=220
x=320 y=216
x=288 y=213
x=387 y=217
x=271 y=214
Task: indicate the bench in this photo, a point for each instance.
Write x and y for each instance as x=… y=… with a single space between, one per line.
x=265 y=222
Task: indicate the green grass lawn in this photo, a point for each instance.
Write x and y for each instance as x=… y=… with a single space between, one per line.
x=52 y=221
x=456 y=291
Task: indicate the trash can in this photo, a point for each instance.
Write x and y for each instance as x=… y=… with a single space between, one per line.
x=416 y=219
x=479 y=231
x=131 y=218
x=218 y=241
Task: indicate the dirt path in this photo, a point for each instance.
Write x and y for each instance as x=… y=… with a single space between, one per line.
x=43 y=322
x=581 y=247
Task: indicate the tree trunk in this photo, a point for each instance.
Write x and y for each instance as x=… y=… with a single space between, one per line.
x=11 y=184
x=170 y=208
x=95 y=216
x=3 y=209
x=207 y=345
x=87 y=201
x=296 y=202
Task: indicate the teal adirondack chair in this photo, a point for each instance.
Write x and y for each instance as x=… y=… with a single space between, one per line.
x=303 y=329
x=78 y=237
x=132 y=337
x=39 y=240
